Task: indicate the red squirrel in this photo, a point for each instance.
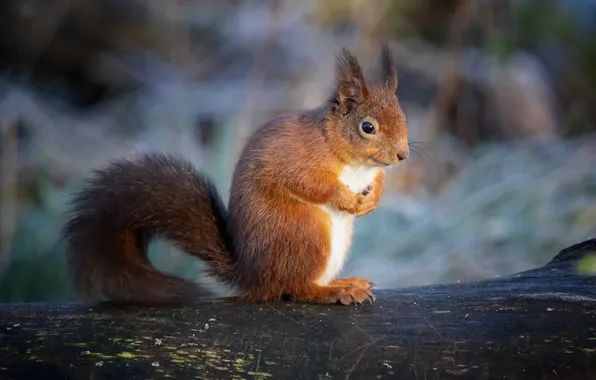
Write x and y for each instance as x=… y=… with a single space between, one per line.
x=299 y=183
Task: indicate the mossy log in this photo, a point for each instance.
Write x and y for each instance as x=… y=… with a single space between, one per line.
x=538 y=324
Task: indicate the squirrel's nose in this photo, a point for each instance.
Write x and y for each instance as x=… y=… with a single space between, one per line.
x=402 y=155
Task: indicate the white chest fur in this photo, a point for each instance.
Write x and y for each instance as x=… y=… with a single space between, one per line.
x=342 y=223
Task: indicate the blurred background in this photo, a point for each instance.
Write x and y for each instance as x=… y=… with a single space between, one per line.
x=500 y=97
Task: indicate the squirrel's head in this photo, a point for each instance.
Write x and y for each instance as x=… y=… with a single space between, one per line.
x=365 y=122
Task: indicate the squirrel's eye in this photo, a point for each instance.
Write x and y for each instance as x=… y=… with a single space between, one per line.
x=367 y=128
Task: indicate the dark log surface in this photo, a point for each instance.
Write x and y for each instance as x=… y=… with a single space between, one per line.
x=538 y=324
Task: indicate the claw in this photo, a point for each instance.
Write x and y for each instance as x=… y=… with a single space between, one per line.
x=367 y=190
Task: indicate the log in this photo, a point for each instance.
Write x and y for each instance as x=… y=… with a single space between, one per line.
x=537 y=324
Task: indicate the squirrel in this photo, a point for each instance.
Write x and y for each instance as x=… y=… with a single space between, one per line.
x=301 y=180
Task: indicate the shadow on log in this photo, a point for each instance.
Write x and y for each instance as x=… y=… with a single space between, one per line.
x=538 y=324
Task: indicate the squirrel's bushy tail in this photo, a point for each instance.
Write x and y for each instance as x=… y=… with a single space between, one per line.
x=126 y=204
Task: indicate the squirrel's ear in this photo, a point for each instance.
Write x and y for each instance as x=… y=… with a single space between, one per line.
x=350 y=86
x=389 y=71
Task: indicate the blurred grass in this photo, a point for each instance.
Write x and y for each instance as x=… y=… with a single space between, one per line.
x=511 y=205
x=36 y=269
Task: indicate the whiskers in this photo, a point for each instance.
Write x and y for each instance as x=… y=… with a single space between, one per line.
x=417 y=147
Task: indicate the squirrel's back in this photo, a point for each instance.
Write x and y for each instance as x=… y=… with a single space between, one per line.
x=126 y=204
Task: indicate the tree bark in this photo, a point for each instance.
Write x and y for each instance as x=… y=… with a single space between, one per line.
x=538 y=324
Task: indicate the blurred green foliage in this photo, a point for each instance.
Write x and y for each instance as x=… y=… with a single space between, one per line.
x=37 y=266
x=587 y=265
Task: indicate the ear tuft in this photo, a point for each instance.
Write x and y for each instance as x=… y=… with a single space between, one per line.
x=350 y=85
x=389 y=71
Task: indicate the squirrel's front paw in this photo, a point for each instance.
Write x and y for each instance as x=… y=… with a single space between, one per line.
x=367 y=202
x=344 y=199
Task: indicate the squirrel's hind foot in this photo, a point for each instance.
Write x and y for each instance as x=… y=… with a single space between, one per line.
x=355 y=281
x=343 y=294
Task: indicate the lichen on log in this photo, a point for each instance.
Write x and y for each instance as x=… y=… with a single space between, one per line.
x=539 y=323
